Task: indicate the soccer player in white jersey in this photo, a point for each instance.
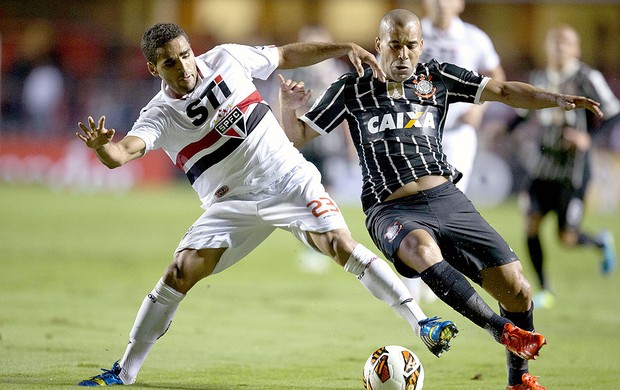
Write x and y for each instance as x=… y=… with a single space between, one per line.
x=447 y=38
x=214 y=125
x=414 y=213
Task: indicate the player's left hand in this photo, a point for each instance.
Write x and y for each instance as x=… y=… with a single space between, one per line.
x=358 y=56
x=569 y=102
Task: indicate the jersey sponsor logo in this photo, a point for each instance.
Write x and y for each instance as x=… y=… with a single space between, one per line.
x=392 y=231
x=197 y=109
x=424 y=88
x=401 y=120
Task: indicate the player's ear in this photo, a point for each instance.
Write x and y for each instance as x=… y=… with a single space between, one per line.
x=152 y=69
x=378 y=45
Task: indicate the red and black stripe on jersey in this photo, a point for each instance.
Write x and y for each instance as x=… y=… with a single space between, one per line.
x=234 y=125
x=396 y=127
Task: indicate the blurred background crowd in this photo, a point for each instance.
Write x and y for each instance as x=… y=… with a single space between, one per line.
x=62 y=60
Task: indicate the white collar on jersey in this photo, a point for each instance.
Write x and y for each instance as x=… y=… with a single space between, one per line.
x=456 y=29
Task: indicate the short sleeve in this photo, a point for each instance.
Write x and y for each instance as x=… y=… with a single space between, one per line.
x=258 y=61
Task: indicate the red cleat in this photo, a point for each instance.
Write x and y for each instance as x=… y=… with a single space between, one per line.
x=529 y=383
x=521 y=342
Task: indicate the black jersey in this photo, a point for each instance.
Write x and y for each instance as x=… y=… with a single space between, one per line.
x=396 y=127
x=556 y=162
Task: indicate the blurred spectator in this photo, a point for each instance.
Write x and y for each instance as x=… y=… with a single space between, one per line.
x=37 y=83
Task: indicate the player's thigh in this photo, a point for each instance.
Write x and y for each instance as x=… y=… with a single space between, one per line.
x=303 y=206
x=231 y=225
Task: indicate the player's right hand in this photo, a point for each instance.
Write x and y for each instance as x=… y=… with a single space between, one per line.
x=293 y=94
x=95 y=135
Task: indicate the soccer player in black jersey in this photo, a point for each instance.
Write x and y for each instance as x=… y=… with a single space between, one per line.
x=562 y=169
x=415 y=214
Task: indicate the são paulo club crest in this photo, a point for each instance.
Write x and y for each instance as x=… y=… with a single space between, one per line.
x=424 y=88
x=229 y=122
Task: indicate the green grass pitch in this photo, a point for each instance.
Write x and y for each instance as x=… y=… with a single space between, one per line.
x=76 y=266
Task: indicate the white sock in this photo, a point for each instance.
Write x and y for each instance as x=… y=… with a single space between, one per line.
x=379 y=278
x=152 y=321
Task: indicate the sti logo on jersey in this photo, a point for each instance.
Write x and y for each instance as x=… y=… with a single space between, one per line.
x=230 y=123
x=401 y=120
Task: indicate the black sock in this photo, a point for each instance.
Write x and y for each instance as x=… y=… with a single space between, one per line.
x=517 y=366
x=456 y=291
x=536 y=256
x=587 y=240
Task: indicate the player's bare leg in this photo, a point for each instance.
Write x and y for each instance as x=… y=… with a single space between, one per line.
x=378 y=278
x=419 y=251
x=156 y=313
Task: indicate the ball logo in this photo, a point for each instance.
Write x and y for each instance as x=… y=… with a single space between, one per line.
x=383 y=369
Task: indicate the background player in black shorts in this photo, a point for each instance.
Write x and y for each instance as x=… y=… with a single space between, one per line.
x=415 y=214
x=562 y=168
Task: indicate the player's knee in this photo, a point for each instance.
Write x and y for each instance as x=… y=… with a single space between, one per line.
x=418 y=251
x=181 y=274
x=521 y=296
x=568 y=238
x=337 y=244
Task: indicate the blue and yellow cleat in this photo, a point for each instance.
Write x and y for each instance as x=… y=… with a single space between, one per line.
x=437 y=335
x=608 y=264
x=107 y=378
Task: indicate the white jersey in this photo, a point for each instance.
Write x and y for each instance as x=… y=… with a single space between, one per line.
x=463 y=44
x=222 y=135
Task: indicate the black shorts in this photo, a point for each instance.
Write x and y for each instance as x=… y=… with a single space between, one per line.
x=559 y=197
x=466 y=240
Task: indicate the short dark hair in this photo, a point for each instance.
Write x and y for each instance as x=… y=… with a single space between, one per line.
x=157 y=36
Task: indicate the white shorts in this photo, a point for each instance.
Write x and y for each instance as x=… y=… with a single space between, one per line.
x=460 y=145
x=298 y=203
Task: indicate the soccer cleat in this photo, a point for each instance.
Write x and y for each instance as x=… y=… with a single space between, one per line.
x=543 y=300
x=608 y=264
x=107 y=378
x=529 y=383
x=437 y=335
x=522 y=343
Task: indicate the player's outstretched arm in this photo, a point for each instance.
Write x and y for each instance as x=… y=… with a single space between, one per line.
x=112 y=154
x=523 y=95
x=299 y=54
x=293 y=95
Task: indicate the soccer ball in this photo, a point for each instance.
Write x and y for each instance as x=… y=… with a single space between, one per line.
x=393 y=368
